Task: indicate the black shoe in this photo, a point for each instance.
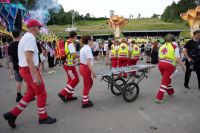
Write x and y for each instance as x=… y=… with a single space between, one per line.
x=186 y=86
x=11 y=119
x=62 y=98
x=72 y=98
x=48 y=120
x=88 y=105
x=19 y=97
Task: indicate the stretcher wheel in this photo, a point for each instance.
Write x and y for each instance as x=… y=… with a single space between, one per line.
x=117 y=86
x=131 y=92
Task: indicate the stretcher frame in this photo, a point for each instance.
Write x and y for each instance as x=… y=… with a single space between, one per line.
x=129 y=86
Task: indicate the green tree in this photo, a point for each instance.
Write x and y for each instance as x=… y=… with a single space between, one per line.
x=184 y=5
x=87 y=16
x=166 y=15
x=173 y=11
x=155 y=16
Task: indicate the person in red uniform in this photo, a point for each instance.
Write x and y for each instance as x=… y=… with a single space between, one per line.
x=134 y=53
x=86 y=69
x=113 y=54
x=123 y=55
x=28 y=67
x=66 y=94
x=169 y=57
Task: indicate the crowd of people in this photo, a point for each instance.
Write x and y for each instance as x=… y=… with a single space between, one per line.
x=27 y=56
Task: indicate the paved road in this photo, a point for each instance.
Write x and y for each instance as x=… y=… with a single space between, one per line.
x=111 y=114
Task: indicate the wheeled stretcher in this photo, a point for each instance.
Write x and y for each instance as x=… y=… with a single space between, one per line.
x=127 y=87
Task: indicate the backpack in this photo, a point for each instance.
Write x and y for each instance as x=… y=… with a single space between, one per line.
x=60 y=50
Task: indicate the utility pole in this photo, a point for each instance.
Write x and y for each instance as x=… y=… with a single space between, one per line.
x=73 y=18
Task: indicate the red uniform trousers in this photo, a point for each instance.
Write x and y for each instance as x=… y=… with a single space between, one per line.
x=72 y=81
x=166 y=70
x=133 y=61
x=32 y=91
x=114 y=62
x=87 y=81
x=123 y=62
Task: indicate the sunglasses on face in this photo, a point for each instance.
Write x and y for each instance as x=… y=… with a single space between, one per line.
x=38 y=27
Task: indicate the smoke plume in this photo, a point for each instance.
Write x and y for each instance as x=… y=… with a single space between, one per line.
x=42 y=8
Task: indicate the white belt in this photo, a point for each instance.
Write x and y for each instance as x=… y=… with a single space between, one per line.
x=167 y=61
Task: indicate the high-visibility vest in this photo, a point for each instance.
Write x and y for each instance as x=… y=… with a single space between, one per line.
x=113 y=51
x=123 y=51
x=70 y=60
x=135 y=51
x=167 y=54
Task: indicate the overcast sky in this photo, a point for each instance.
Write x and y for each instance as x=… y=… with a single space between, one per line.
x=101 y=8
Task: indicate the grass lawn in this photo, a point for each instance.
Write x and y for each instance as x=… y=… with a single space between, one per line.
x=101 y=27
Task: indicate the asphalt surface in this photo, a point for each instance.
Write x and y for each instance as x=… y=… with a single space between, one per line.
x=111 y=114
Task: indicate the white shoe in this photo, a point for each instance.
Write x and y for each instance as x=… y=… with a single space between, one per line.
x=159 y=101
x=50 y=72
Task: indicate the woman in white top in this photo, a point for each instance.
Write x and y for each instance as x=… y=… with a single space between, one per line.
x=86 y=69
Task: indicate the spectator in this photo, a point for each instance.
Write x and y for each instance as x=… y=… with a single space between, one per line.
x=154 y=53
x=8 y=60
x=148 y=52
x=41 y=56
x=142 y=50
x=192 y=53
x=101 y=50
x=51 y=57
x=105 y=52
x=13 y=53
x=5 y=53
x=96 y=51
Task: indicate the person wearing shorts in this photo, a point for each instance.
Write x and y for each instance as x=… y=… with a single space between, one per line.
x=105 y=49
x=13 y=55
x=148 y=52
x=18 y=77
x=96 y=51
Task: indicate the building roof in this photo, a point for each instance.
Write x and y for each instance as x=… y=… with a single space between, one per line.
x=151 y=33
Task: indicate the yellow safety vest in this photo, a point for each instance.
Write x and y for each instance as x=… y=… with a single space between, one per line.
x=70 y=60
x=135 y=51
x=167 y=53
x=113 y=51
x=123 y=50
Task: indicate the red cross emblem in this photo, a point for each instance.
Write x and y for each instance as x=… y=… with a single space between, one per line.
x=164 y=51
x=123 y=47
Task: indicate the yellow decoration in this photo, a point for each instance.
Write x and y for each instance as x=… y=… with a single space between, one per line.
x=4 y=31
x=50 y=37
x=193 y=18
x=117 y=23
